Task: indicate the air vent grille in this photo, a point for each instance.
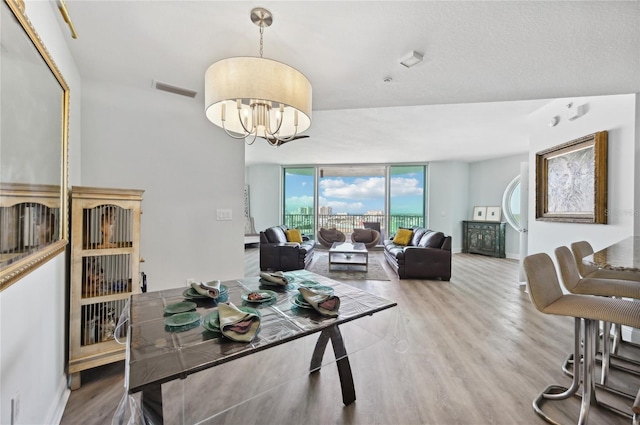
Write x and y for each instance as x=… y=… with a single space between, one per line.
x=174 y=89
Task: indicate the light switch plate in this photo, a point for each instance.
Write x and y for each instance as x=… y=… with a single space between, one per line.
x=224 y=214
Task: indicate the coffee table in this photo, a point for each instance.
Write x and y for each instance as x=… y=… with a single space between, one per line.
x=348 y=254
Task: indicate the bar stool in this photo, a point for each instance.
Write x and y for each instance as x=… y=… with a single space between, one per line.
x=595 y=286
x=547 y=296
x=582 y=249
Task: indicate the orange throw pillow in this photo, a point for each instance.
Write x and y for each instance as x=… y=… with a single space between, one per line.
x=294 y=235
x=403 y=237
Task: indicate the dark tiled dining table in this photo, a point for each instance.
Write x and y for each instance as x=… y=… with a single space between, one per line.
x=157 y=354
x=623 y=256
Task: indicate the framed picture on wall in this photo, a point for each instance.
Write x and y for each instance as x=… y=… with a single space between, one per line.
x=571 y=181
x=493 y=213
x=479 y=213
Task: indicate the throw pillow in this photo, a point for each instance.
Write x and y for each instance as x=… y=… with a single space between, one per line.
x=294 y=235
x=432 y=240
x=417 y=235
x=403 y=237
x=275 y=235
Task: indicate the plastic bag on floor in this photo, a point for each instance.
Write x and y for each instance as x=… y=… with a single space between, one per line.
x=128 y=412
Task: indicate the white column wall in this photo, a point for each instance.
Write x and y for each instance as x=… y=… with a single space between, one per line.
x=265 y=192
x=140 y=138
x=448 y=188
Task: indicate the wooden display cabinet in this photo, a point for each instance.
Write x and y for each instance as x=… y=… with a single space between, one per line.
x=484 y=237
x=105 y=271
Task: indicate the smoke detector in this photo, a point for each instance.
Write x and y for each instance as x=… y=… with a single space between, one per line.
x=412 y=58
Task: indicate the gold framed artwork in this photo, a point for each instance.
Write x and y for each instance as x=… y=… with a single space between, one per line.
x=479 y=213
x=571 y=181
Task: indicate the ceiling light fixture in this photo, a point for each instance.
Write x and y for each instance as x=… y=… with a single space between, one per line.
x=411 y=59
x=252 y=97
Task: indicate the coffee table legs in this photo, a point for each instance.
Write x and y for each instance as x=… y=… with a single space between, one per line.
x=342 y=361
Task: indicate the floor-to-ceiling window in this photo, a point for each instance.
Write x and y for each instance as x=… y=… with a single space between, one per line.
x=349 y=196
x=353 y=196
x=406 y=196
x=299 y=199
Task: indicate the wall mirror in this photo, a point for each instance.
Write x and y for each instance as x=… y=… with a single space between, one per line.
x=33 y=148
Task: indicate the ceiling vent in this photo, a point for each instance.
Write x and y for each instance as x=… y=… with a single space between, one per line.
x=174 y=89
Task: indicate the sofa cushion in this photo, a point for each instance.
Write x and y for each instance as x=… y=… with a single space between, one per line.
x=417 y=235
x=276 y=235
x=363 y=235
x=403 y=237
x=432 y=240
x=294 y=235
x=423 y=238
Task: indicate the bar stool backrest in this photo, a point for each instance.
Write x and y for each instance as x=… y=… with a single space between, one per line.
x=580 y=250
x=542 y=280
x=568 y=268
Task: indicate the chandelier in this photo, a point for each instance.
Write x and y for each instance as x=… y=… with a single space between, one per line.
x=252 y=97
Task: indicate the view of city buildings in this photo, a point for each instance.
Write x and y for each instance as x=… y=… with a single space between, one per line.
x=347 y=202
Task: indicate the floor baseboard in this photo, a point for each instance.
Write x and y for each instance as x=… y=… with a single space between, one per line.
x=57 y=408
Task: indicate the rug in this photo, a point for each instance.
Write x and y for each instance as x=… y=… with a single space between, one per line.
x=375 y=271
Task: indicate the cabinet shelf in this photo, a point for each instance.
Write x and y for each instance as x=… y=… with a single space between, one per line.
x=105 y=271
x=105 y=298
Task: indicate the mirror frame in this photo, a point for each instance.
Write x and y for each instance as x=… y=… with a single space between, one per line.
x=15 y=271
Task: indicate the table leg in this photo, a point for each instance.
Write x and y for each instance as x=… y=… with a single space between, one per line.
x=152 y=404
x=342 y=361
x=318 y=351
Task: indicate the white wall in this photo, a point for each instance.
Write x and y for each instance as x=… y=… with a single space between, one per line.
x=448 y=184
x=32 y=311
x=617 y=115
x=636 y=190
x=140 y=138
x=487 y=182
x=265 y=187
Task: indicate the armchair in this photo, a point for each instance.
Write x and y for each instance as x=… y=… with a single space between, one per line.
x=327 y=237
x=368 y=237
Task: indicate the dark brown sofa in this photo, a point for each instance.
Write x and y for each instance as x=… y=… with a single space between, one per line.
x=427 y=256
x=276 y=254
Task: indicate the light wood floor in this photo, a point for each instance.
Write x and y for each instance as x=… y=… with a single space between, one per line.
x=475 y=352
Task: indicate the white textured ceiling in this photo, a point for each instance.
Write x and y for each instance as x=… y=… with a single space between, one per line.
x=487 y=65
